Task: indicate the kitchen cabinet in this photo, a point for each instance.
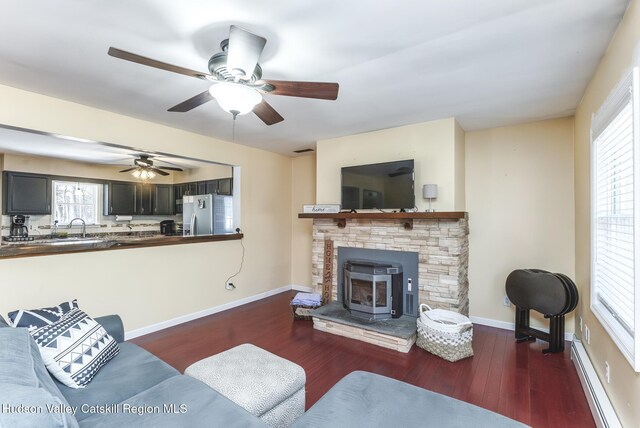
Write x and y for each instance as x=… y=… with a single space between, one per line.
x=225 y=186
x=120 y=198
x=190 y=188
x=26 y=193
x=178 y=192
x=124 y=198
x=211 y=187
x=144 y=205
x=202 y=188
x=163 y=201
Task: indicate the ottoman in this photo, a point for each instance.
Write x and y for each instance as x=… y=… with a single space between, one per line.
x=266 y=385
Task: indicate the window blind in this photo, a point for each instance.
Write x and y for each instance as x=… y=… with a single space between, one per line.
x=614 y=209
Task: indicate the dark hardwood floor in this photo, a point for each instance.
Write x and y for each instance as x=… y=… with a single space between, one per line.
x=516 y=380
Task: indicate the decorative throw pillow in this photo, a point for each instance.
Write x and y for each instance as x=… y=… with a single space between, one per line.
x=34 y=318
x=74 y=348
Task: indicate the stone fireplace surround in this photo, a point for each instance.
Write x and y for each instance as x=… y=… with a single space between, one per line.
x=440 y=239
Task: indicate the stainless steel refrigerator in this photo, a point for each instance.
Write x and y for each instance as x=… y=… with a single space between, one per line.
x=207 y=215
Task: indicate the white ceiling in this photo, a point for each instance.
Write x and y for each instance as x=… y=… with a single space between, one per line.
x=488 y=63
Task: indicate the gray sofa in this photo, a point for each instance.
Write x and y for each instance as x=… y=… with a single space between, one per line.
x=137 y=389
x=134 y=389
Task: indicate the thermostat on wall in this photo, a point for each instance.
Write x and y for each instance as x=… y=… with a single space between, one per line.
x=322 y=208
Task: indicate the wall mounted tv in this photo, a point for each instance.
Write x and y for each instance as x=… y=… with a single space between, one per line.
x=381 y=186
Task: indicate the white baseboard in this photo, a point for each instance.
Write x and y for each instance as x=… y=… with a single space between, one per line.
x=210 y=311
x=510 y=326
x=599 y=403
x=301 y=288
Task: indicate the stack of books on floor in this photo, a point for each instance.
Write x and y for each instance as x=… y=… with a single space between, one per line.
x=303 y=303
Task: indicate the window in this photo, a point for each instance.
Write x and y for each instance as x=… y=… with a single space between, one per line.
x=75 y=199
x=615 y=217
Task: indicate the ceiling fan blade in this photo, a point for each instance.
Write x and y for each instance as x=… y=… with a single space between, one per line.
x=139 y=59
x=192 y=102
x=319 y=90
x=170 y=168
x=158 y=171
x=244 y=52
x=267 y=114
x=129 y=169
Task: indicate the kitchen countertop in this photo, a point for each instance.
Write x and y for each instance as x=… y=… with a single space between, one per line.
x=46 y=247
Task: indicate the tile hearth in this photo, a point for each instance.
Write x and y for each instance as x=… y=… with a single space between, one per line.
x=398 y=334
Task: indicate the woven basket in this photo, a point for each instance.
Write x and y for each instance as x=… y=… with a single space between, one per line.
x=450 y=346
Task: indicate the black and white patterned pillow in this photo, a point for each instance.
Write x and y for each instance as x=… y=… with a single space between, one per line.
x=74 y=348
x=34 y=318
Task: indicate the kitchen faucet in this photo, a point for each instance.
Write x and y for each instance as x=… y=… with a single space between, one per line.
x=84 y=226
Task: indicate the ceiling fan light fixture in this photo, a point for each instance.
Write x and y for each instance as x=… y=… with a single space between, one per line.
x=136 y=173
x=235 y=98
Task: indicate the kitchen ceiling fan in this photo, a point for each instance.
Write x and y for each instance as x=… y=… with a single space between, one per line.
x=144 y=168
x=236 y=78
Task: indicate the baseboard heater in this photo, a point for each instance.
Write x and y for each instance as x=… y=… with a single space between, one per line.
x=599 y=403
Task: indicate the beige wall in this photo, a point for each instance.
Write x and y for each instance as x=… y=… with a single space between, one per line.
x=209 y=172
x=460 y=168
x=520 y=204
x=151 y=285
x=53 y=166
x=303 y=191
x=431 y=144
x=624 y=389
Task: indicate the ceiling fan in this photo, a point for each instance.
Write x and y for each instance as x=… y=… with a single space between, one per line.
x=236 y=78
x=144 y=168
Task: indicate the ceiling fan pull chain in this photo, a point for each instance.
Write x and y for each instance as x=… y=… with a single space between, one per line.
x=233 y=129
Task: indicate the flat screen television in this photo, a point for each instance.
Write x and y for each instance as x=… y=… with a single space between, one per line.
x=387 y=185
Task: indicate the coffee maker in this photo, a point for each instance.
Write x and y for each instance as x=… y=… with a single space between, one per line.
x=168 y=227
x=18 y=230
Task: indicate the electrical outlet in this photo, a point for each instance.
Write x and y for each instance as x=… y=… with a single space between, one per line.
x=230 y=286
x=587 y=334
x=607 y=371
x=506 y=301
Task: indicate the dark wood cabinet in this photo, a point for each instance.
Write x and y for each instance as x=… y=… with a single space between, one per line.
x=144 y=205
x=124 y=198
x=26 y=193
x=120 y=198
x=190 y=188
x=178 y=192
x=225 y=186
x=211 y=187
x=163 y=199
x=221 y=186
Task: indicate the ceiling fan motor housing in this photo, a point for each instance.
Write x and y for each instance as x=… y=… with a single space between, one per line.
x=218 y=67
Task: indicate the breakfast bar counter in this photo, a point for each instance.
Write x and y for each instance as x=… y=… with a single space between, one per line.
x=96 y=243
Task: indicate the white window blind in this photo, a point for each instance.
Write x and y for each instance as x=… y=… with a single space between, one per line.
x=615 y=212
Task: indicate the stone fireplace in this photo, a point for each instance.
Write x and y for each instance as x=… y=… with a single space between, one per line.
x=438 y=242
x=441 y=244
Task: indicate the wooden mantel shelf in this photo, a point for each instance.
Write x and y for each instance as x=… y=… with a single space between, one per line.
x=407 y=218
